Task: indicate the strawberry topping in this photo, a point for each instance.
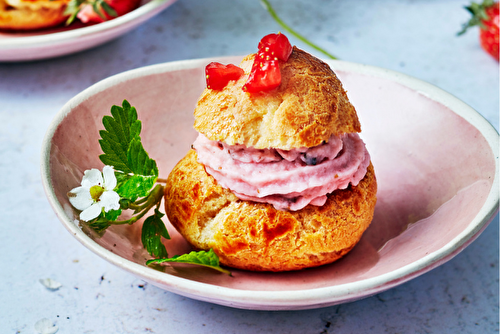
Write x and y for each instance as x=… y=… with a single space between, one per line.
x=265 y=74
x=219 y=75
x=277 y=45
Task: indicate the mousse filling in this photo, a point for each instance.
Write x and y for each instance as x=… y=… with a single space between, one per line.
x=289 y=180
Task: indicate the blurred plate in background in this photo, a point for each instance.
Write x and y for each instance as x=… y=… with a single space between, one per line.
x=59 y=41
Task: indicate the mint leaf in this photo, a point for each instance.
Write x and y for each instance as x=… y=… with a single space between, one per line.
x=207 y=259
x=152 y=231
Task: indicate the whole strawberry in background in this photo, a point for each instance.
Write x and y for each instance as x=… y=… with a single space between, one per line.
x=486 y=16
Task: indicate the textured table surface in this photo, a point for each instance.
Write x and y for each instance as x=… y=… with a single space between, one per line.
x=414 y=37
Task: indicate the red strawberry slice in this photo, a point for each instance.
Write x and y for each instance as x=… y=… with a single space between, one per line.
x=276 y=45
x=265 y=76
x=219 y=75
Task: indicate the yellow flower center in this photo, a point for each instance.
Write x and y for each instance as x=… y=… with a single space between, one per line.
x=96 y=192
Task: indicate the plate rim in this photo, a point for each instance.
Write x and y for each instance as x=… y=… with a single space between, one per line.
x=26 y=42
x=287 y=299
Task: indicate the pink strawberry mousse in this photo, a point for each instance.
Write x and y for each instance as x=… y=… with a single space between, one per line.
x=289 y=180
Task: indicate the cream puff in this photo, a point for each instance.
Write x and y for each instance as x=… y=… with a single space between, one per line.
x=278 y=179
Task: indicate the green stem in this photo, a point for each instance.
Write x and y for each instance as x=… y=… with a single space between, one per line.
x=136 y=207
x=273 y=14
x=153 y=199
x=139 y=201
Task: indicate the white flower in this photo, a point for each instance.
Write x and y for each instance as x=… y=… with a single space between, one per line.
x=96 y=193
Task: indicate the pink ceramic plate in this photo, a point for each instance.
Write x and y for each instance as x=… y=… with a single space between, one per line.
x=66 y=40
x=435 y=158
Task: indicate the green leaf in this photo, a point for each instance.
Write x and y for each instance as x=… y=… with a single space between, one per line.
x=202 y=258
x=152 y=231
x=72 y=9
x=114 y=154
x=478 y=12
x=113 y=215
x=120 y=129
x=139 y=161
x=100 y=7
x=96 y=6
x=100 y=224
x=134 y=186
x=108 y=9
x=122 y=147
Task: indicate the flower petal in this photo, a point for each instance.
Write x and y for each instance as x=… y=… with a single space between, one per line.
x=109 y=178
x=110 y=200
x=91 y=178
x=80 y=198
x=90 y=213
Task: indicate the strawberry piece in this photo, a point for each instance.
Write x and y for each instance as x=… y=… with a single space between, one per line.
x=87 y=13
x=123 y=6
x=486 y=16
x=265 y=75
x=219 y=75
x=277 y=45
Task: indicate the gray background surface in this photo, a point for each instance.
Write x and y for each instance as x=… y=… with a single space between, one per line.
x=414 y=37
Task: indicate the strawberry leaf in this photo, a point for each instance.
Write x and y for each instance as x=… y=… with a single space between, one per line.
x=108 y=9
x=479 y=15
x=121 y=128
x=139 y=161
x=121 y=143
x=72 y=9
x=152 y=231
x=97 y=9
x=206 y=259
x=112 y=215
x=134 y=186
x=99 y=225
